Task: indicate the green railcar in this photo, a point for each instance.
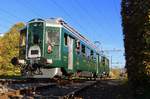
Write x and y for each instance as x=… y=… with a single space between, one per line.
x=50 y=47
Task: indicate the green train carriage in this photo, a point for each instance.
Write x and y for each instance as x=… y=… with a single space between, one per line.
x=51 y=48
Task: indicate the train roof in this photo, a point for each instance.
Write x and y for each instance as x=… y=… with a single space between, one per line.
x=74 y=31
x=60 y=21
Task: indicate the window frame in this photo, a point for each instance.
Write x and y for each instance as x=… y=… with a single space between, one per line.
x=83 y=50
x=65 y=38
x=49 y=40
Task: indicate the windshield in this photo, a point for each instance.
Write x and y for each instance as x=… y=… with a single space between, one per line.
x=35 y=32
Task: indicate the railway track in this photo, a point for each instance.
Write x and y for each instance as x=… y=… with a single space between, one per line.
x=64 y=91
x=48 y=89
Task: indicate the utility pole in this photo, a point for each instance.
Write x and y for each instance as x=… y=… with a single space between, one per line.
x=110 y=63
x=111 y=57
x=98 y=45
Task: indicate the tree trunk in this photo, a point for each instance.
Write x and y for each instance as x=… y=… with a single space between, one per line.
x=136 y=31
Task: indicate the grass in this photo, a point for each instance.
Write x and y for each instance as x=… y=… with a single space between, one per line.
x=9 y=74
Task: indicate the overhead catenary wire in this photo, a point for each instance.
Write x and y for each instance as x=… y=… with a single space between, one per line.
x=3 y=26
x=107 y=20
x=35 y=10
x=10 y=15
x=28 y=7
x=85 y=13
x=92 y=18
x=89 y=15
x=116 y=10
x=66 y=12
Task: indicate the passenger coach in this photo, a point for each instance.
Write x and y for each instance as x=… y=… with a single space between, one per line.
x=51 y=48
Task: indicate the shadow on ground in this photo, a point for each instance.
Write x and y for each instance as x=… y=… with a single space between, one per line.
x=111 y=89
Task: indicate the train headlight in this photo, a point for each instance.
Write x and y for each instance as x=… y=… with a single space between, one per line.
x=49 y=49
x=49 y=61
x=22 y=61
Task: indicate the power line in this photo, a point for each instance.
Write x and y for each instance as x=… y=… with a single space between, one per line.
x=33 y=10
x=69 y=16
x=3 y=26
x=88 y=20
x=92 y=18
x=85 y=11
x=28 y=7
x=88 y=14
x=114 y=50
x=10 y=16
x=107 y=20
x=5 y=20
x=116 y=9
x=60 y=7
x=9 y=13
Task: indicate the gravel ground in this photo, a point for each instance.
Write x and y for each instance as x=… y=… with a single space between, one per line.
x=100 y=89
x=106 y=89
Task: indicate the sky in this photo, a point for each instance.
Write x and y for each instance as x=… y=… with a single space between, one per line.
x=98 y=20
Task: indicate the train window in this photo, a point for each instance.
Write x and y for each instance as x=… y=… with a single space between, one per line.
x=91 y=53
x=94 y=57
x=87 y=52
x=35 y=33
x=106 y=61
x=65 y=39
x=22 y=37
x=83 y=49
x=78 y=46
x=103 y=60
x=36 y=38
x=53 y=35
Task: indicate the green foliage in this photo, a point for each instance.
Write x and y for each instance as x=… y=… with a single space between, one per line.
x=136 y=31
x=9 y=46
x=115 y=73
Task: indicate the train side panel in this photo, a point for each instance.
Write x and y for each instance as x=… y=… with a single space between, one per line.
x=53 y=44
x=68 y=51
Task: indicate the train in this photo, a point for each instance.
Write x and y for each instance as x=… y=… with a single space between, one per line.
x=50 y=47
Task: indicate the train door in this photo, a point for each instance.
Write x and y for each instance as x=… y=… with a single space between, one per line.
x=70 y=53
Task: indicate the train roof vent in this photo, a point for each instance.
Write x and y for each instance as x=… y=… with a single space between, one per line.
x=54 y=20
x=36 y=19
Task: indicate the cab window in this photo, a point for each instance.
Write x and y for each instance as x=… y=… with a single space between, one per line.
x=23 y=37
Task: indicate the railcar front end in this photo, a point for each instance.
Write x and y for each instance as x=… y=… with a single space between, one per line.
x=39 y=54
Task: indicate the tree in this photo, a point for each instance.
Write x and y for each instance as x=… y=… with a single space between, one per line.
x=136 y=31
x=9 y=46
